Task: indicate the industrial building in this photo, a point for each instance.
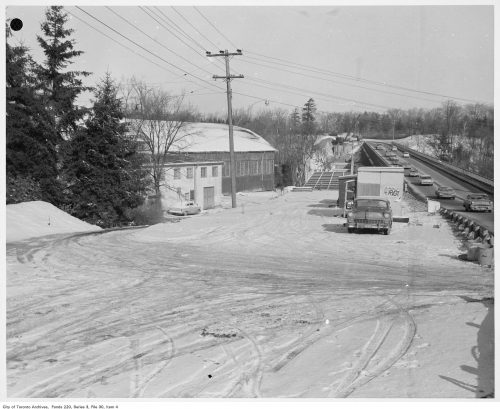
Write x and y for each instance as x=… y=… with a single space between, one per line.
x=254 y=156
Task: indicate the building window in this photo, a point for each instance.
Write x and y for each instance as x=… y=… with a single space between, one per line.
x=226 y=169
x=215 y=171
x=189 y=174
x=203 y=172
x=177 y=173
x=191 y=195
x=179 y=192
x=253 y=167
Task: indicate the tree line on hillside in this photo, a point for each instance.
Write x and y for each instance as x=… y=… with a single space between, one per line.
x=462 y=134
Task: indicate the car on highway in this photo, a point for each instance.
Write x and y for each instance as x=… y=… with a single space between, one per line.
x=379 y=147
x=413 y=173
x=478 y=202
x=425 y=180
x=185 y=209
x=370 y=212
x=445 y=192
x=394 y=148
x=406 y=155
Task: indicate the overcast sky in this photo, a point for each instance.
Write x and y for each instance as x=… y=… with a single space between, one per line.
x=346 y=58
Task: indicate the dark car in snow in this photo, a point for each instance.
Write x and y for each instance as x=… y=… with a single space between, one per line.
x=445 y=192
x=370 y=212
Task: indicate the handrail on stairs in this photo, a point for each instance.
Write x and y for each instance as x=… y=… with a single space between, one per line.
x=320 y=176
x=330 y=182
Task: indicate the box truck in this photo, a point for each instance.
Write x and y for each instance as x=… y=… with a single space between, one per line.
x=387 y=182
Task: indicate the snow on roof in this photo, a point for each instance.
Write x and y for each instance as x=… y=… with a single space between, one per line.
x=35 y=219
x=211 y=137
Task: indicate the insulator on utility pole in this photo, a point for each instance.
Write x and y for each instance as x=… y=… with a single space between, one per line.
x=228 y=77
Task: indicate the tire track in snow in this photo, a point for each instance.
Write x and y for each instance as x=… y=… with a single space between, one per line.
x=362 y=372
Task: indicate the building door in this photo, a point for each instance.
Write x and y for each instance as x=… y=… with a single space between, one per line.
x=208 y=197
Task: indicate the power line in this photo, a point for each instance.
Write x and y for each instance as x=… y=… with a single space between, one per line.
x=194 y=27
x=154 y=15
x=228 y=77
x=288 y=89
x=180 y=30
x=166 y=28
x=122 y=45
x=216 y=29
x=145 y=49
x=359 y=79
x=340 y=82
x=156 y=41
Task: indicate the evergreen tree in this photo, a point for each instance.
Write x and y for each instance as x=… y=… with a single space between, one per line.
x=308 y=117
x=31 y=160
x=102 y=167
x=60 y=88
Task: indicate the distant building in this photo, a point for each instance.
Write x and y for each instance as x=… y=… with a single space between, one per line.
x=200 y=182
x=208 y=142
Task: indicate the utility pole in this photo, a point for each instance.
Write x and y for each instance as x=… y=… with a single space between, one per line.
x=228 y=77
x=352 y=157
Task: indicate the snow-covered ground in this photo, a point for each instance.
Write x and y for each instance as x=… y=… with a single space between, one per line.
x=420 y=143
x=36 y=219
x=271 y=299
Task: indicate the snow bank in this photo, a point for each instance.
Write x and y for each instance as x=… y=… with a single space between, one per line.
x=35 y=219
x=420 y=143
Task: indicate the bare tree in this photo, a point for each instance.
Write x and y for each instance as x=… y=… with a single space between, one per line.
x=159 y=121
x=450 y=113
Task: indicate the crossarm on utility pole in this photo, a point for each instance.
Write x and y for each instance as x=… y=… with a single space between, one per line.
x=228 y=77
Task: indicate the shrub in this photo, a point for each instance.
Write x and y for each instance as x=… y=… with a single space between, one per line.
x=148 y=213
x=22 y=189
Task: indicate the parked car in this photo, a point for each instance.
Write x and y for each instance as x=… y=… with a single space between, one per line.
x=406 y=155
x=413 y=173
x=380 y=147
x=478 y=202
x=185 y=209
x=425 y=180
x=394 y=148
x=445 y=192
x=370 y=212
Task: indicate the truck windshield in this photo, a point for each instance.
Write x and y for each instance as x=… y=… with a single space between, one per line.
x=371 y=203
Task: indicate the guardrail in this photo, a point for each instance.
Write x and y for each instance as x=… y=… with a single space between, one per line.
x=485 y=184
x=374 y=157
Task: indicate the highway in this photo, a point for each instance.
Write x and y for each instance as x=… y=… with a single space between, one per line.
x=462 y=188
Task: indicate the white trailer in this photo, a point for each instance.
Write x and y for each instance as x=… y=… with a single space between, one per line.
x=387 y=182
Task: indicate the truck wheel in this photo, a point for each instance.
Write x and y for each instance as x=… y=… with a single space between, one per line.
x=350 y=230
